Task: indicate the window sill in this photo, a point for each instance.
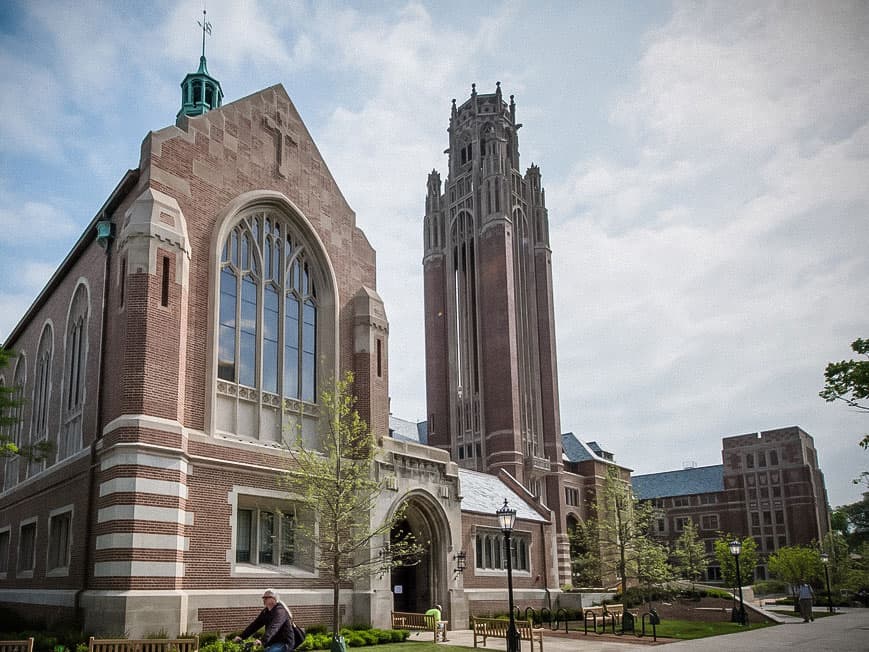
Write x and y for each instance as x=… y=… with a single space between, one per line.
x=254 y=570
x=63 y=571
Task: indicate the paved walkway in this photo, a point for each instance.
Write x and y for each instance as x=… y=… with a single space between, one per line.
x=845 y=632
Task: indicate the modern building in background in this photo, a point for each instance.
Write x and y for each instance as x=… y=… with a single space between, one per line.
x=769 y=487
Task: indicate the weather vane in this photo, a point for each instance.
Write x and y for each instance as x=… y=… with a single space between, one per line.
x=206 y=29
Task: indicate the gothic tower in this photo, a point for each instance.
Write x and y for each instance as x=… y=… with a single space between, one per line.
x=491 y=377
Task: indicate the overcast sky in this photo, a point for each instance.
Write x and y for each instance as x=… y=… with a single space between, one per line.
x=706 y=171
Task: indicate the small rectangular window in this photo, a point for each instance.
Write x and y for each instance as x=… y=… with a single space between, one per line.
x=4 y=551
x=761 y=459
x=164 y=295
x=27 y=547
x=122 y=285
x=749 y=461
x=243 y=535
x=773 y=458
x=379 y=358
x=59 y=540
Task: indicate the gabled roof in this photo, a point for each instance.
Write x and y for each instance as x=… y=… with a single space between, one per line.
x=575 y=450
x=700 y=480
x=485 y=493
x=404 y=430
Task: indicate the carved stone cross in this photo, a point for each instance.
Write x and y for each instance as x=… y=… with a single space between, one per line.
x=281 y=132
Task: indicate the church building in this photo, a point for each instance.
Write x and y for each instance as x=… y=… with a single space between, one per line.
x=219 y=288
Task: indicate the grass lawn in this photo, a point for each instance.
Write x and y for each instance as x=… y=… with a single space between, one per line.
x=689 y=629
x=414 y=646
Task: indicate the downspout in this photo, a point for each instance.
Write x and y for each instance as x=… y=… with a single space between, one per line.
x=545 y=571
x=105 y=235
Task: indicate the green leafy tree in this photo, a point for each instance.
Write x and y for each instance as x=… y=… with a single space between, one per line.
x=653 y=567
x=339 y=486
x=10 y=413
x=852 y=521
x=795 y=564
x=585 y=553
x=727 y=562
x=623 y=529
x=839 y=564
x=848 y=381
x=690 y=554
x=9 y=404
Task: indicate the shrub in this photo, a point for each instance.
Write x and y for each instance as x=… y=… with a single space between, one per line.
x=383 y=635
x=399 y=635
x=316 y=629
x=208 y=637
x=353 y=639
x=765 y=587
x=637 y=596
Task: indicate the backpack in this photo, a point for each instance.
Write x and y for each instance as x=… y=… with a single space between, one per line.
x=298 y=635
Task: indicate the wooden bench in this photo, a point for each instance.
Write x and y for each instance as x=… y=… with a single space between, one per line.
x=497 y=628
x=142 y=644
x=420 y=623
x=17 y=646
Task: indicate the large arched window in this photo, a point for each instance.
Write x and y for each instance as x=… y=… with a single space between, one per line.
x=74 y=373
x=268 y=310
x=271 y=286
x=41 y=397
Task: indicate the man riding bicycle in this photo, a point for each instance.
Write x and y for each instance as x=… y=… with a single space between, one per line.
x=278 y=621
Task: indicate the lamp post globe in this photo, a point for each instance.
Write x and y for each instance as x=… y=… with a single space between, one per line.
x=825 y=560
x=506 y=520
x=738 y=616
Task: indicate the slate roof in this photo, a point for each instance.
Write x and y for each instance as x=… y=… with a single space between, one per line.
x=404 y=430
x=575 y=450
x=687 y=482
x=485 y=493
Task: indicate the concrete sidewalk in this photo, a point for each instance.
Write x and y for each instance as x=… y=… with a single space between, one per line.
x=845 y=632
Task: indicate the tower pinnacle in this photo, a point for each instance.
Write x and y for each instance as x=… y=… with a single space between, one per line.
x=200 y=92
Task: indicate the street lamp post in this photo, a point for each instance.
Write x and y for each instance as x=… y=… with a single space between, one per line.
x=506 y=519
x=738 y=616
x=825 y=560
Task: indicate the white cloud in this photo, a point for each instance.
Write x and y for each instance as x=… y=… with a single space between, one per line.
x=719 y=268
x=28 y=222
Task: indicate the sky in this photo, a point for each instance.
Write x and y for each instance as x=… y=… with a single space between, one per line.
x=706 y=168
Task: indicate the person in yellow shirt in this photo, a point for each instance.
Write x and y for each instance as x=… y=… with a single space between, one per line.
x=433 y=615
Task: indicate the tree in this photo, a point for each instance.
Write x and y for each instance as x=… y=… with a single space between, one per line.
x=653 y=569
x=727 y=562
x=9 y=403
x=585 y=553
x=852 y=521
x=339 y=486
x=795 y=564
x=690 y=554
x=839 y=564
x=848 y=381
x=623 y=529
x=10 y=414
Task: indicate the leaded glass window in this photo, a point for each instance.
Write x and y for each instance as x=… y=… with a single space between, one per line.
x=267 y=327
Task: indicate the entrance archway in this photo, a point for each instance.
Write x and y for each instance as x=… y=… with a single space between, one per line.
x=416 y=588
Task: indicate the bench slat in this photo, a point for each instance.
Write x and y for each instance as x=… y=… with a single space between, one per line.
x=24 y=645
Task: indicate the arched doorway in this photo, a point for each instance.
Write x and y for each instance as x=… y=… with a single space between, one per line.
x=416 y=588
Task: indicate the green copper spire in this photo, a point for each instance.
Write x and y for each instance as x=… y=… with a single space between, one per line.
x=200 y=92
